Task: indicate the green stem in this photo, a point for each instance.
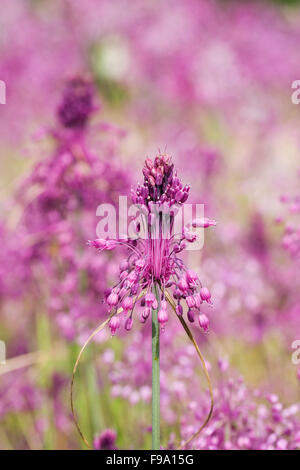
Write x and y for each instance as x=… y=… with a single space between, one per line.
x=155 y=376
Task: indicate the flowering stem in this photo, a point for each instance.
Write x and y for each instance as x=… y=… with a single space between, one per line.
x=155 y=375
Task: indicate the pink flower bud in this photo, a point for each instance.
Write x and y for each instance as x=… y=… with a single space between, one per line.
x=146 y=313
x=149 y=299
x=191 y=276
x=203 y=321
x=127 y=303
x=191 y=316
x=112 y=299
x=179 y=310
x=162 y=316
x=198 y=300
x=190 y=301
x=114 y=324
x=184 y=197
x=142 y=319
x=128 y=324
x=205 y=294
x=179 y=195
x=148 y=163
x=182 y=284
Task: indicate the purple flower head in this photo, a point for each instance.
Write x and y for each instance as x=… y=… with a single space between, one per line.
x=153 y=260
x=77 y=103
x=106 y=440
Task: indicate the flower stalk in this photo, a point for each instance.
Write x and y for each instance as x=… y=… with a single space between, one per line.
x=155 y=374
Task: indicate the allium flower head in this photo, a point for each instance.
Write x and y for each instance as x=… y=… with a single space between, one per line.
x=77 y=103
x=153 y=260
x=106 y=440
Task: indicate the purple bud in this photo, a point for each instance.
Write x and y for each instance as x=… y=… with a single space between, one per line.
x=184 y=197
x=149 y=163
x=142 y=319
x=179 y=310
x=114 y=324
x=182 y=284
x=177 y=294
x=191 y=315
x=128 y=324
x=178 y=196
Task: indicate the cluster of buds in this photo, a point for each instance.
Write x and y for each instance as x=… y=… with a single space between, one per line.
x=77 y=103
x=160 y=184
x=189 y=289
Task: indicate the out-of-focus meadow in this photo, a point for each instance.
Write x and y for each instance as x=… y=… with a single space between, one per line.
x=210 y=83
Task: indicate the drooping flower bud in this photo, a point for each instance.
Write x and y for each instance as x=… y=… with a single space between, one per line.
x=198 y=300
x=190 y=301
x=205 y=294
x=128 y=324
x=114 y=324
x=127 y=303
x=146 y=312
x=149 y=299
x=203 y=321
x=182 y=284
x=179 y=310
x=191 y=276
x=191 y=315
x=162 y=316
x=112 y=299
